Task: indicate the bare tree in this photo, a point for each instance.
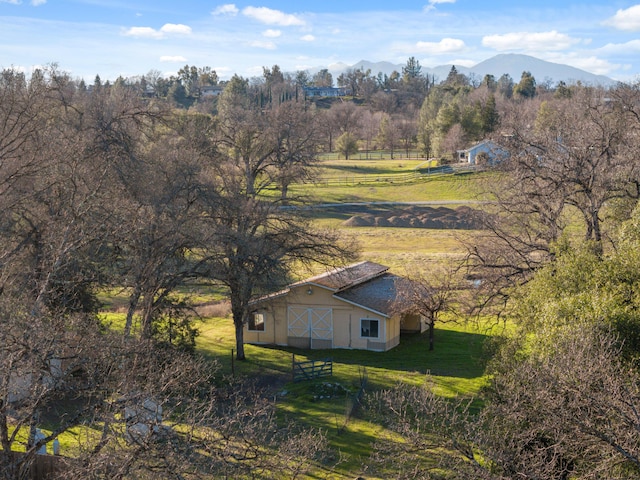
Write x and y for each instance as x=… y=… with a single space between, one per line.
x=565 y=156
x=253 y=243
x=428 y=296
x=298 y=140
x=569 y=414
x=370 y=125
x=576 y=154
x=389 y=132
x=346 y=117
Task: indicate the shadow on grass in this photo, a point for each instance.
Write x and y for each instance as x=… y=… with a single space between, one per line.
x=369 y=169
x=456 y=354
x=455 y=366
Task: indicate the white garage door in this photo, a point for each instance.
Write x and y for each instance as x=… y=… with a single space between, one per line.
x=313 y=323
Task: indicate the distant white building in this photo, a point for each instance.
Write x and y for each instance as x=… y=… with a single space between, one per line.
x=210 y=90
x=483 y=153
x=326 y=91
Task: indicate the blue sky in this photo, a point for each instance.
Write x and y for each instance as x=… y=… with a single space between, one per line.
x=133 y=37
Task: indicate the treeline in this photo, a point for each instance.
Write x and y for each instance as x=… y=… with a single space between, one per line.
x=558 y=261
x=105 y=189
x=109 y=187
x=405 y=110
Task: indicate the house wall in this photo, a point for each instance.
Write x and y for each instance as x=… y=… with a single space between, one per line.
x=344 y=319
x=414 y=324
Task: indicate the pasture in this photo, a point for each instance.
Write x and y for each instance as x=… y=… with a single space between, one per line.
x=455 y=367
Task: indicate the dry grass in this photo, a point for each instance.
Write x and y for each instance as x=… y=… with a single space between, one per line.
x=216 y=309
x=409 y=249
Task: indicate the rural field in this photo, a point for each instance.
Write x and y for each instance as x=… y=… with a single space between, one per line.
x=454 y=368
x=190 y=290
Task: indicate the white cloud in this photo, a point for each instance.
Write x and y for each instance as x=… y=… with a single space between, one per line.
x=462 y=62
x=446 y=45
x=593 y=64
x=538 y=41
x=628 y=19
x=176 y=28
x=269 y=16
x=308 y=38
x=432 y=4
x=630 y=47
x=227 y=9
x=271 y=33
x=167 y=29
x=264 y=45
x=34 y=3
x=172 y=58
x=144 y=32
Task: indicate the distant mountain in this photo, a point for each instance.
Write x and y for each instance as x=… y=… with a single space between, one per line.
x=511 y=64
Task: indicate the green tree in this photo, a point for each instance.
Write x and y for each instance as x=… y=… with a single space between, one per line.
x=526 y=88
x=505 y=85
x=347 y=145
x=490 y=118
x=490 y=82
x=322 y=78
x=411 y=70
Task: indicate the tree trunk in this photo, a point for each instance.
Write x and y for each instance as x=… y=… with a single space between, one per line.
x=133 y=304
x=431 y=335
x=284 y=192
x=147 y=315
x=239 y=324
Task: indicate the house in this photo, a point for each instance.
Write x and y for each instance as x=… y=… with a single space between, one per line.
x=210 y=90
x=354 y=307
x=326 y=91
x=483 y=153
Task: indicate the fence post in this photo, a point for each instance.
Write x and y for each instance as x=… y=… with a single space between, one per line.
x=293 y=367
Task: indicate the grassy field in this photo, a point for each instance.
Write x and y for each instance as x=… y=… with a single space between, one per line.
x=441 y=188
x=455 y=367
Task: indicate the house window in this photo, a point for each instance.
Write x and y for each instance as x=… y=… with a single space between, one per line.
x=256 y=322
x=369 y=328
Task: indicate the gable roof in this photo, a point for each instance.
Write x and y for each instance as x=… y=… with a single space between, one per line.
x=344 y=277
x=365 y=284
x=378 y=294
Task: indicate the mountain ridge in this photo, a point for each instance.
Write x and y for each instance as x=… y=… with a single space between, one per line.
x=507 y=63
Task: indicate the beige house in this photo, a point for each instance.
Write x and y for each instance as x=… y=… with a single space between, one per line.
x=351 y=307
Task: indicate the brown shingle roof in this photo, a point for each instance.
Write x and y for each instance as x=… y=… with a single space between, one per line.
x=348 y=276
x=379 y=294
x=367 y=284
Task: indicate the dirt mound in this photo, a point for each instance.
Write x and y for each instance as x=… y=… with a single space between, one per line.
x=463 y=218
x=357 y=221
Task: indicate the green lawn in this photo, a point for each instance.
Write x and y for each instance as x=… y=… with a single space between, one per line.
x=443 y=188
x=455 y=367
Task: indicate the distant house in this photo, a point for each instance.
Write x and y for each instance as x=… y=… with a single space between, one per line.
x=325 y=91
x=352 y=307
x=483 y=153
x=210 y=90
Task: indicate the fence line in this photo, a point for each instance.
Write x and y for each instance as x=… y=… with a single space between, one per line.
x=310 y=369
x=375 y=155
x=416 y=174
x=367 y=179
